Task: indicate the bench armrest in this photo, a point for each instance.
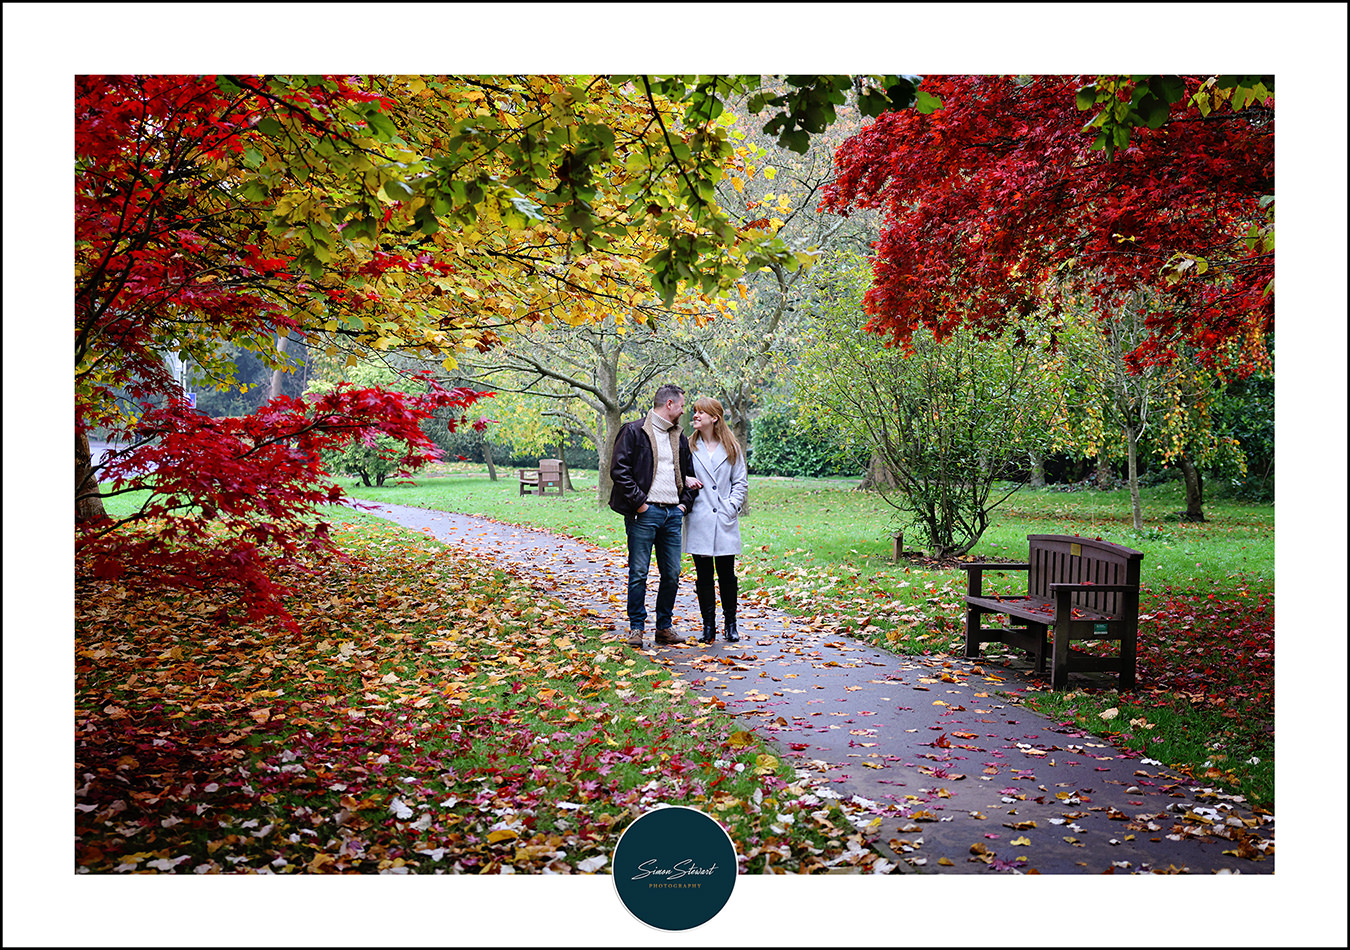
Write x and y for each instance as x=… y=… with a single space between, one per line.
x=1105 y=588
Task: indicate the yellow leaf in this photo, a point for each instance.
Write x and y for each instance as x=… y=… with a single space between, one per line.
x=501 y=834
x=740 y=739
x=260 y=715
x=1023 y=841
x=1111 y=713
x=946 y=862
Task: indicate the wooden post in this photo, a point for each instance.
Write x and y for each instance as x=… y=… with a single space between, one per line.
x=899 y=549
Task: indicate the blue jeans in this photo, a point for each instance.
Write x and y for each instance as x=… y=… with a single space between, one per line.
x=659 y=526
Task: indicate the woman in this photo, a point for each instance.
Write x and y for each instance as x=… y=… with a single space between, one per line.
x=712 y=529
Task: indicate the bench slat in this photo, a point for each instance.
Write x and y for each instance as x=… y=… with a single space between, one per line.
x=1035 y=608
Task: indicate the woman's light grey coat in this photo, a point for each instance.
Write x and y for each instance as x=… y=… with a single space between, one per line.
x=713 y=524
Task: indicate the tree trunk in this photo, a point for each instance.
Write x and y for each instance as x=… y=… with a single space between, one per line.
x=88 y=504
x=1037 y=461
x=562 y=457
x=613 y=419
x=282 y=342
x=1195 y=490
x=1131 y=446
x=741 y=430
x=1104 y=471
x=879 y=475
x=487 y=457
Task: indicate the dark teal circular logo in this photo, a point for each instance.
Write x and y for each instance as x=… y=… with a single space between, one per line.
x=674 y=868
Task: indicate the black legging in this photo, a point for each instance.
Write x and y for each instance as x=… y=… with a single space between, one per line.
x=726 y=580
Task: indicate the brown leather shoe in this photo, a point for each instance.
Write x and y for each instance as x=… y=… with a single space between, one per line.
x=667 y=638
x=635 y=638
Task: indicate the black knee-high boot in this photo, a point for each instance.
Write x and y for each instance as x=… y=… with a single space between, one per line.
x=709 y=631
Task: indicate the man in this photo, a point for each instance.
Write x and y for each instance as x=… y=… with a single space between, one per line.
x=654 y=485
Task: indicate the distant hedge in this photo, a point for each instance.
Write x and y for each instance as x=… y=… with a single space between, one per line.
x=781 y=445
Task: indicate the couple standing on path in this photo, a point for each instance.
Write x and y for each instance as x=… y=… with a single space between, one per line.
x=675 y=497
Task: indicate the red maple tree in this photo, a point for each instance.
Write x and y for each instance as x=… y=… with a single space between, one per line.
x=997 y=204
x=176 y=251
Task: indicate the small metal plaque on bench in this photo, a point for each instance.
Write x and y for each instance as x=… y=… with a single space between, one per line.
x=1075 y=549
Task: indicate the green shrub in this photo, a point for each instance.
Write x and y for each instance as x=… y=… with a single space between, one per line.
x=780 y=444
x=372 y=463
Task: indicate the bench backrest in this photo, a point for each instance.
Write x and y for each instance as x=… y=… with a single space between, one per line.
x=550 y=468
x=1060 y=559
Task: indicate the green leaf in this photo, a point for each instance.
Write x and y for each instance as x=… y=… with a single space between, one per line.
x=1153 y=111
x=398 y=190
x=798 y=141
x=269 y=126
x=360 y=228
x=381 y=125
x=1087 y=97
x=426 y=220
x=872 y=104
x=1170 y=89
x=901 y=92
x=927 y=103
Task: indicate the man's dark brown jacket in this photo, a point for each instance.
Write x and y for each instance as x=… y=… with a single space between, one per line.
x=632 y=465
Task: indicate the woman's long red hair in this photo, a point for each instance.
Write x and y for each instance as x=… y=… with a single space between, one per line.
x=721 y=431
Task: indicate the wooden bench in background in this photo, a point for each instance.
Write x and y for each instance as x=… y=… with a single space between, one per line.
x=539 y=481
x=1077 y=589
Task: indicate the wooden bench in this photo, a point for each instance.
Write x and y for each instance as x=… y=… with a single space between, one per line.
x=538 y=481
x=1077 y=589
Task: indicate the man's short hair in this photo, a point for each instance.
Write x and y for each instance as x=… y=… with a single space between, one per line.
x=666 y=393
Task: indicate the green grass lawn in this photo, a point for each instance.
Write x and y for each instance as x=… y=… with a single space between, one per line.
x=818 y=548
x=838 y=525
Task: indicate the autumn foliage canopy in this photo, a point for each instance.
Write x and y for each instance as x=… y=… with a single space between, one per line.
x=178 y=252
x=998 y=206
x=417 y=214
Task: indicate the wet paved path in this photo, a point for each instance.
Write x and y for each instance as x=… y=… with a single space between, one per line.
x=958 y=780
